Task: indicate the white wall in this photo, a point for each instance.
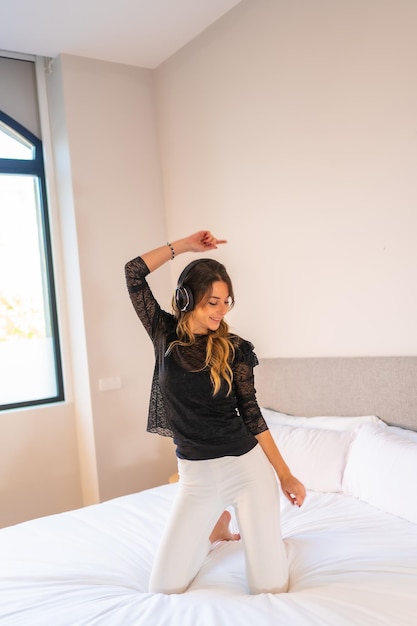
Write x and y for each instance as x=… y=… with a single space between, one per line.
x=111 y=211
x=290 y=129
x=39 y=463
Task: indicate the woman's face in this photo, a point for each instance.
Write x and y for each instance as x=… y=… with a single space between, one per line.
x=208 y=314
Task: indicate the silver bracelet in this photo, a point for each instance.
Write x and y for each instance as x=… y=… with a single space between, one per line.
x=172 y=250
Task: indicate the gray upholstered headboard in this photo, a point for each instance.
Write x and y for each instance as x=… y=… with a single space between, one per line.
x=346 y=386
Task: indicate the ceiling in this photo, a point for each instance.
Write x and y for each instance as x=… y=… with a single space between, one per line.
x=135 y=32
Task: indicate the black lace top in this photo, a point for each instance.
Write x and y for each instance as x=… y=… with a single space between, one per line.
x=182 y=404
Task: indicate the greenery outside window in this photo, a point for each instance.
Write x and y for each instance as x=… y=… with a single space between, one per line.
x=30 y=361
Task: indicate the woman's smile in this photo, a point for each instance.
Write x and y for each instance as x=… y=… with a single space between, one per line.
x=209 y=313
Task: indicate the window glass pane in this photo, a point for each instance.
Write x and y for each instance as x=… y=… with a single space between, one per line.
x=27 y=364
x=13 y=145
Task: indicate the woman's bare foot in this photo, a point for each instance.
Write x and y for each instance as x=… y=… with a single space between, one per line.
x=221 y=531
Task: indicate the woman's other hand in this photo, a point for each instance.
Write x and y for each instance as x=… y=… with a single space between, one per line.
x=293 y=489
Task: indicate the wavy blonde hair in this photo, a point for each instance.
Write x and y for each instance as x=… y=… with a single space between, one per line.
x=220 y=350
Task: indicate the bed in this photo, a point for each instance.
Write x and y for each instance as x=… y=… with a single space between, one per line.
x=347 y=426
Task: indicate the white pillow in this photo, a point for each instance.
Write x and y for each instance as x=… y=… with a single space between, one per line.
x=325 y=421
x=381 y=470
x=315 y=456
x=403 y=432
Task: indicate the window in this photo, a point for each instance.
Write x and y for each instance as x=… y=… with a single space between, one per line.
x=30 y=363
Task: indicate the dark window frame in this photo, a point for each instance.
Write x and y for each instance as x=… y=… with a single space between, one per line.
x=35 y=167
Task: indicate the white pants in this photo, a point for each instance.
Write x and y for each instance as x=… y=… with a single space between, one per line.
x=206 y=488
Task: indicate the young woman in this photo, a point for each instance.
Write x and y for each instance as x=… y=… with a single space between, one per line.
x=203 y=396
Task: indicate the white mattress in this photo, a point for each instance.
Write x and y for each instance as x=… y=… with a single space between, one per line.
x=350 y=563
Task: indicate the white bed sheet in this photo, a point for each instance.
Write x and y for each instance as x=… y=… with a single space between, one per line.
x=350 y=564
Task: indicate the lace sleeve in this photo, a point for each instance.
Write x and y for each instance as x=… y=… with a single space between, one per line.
x=156 y=322
x=140 y=293
x=244 y=362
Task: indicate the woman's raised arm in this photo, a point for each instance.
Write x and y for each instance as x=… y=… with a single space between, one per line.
x=202 y=241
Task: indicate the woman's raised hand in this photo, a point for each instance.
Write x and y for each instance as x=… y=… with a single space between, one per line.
x=199 y=242
x=203 y=241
